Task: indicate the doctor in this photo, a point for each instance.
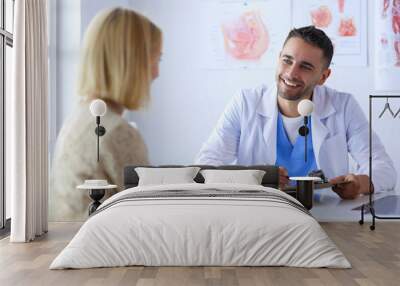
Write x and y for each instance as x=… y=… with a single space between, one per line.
x=260 y=126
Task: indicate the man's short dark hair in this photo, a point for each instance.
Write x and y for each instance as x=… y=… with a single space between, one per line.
x=316 y=38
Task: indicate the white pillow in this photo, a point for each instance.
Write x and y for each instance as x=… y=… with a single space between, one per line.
x=248 y=177
x=164 y=176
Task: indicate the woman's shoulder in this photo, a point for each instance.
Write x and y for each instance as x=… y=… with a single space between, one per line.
x=123 y=141
x=117 y=125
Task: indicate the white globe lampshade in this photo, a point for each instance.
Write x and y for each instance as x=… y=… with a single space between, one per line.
x=98 y=107
x=305 y=107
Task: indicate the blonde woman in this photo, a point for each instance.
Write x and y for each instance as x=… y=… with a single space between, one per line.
x=120 y=59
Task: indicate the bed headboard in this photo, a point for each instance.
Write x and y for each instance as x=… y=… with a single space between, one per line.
x=270 y=179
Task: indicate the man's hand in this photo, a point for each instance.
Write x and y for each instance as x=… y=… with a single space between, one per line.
x=354 y=186
x=283 y=177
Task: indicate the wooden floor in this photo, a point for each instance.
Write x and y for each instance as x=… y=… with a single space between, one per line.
x=375 y=257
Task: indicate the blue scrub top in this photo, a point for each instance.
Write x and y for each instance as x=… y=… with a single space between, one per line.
x=292 y=156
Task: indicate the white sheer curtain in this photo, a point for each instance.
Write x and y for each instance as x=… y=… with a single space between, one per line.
x=27 y=123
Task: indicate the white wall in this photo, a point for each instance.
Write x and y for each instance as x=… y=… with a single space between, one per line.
x=187 y=101
x=64 y=45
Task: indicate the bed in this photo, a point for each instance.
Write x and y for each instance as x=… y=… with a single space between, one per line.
x=201 y=224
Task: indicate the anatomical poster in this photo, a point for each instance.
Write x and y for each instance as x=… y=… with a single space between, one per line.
x=344 y=21
x=387 y=45
x=243 y=34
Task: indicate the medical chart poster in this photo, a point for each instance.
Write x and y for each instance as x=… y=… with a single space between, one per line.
x=242 y=34
x=344 y=21
x=387 y=45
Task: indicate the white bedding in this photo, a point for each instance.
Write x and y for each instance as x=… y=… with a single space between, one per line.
x=184 y=231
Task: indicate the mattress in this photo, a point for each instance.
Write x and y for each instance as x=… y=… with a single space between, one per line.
x=201 y=225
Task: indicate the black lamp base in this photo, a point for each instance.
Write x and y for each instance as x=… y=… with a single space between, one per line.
x=303 y=131
x=100 y=130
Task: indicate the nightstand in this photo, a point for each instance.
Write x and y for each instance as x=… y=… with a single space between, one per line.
x=96 y=193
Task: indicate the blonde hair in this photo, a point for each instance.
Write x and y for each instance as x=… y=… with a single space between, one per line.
x=119 y=48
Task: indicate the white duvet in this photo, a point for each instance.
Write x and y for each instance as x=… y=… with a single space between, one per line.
x=200 y=231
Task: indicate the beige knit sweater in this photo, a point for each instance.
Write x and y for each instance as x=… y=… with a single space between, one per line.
x=75 y=160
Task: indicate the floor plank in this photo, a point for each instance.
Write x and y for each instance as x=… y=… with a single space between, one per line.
x=374 y=255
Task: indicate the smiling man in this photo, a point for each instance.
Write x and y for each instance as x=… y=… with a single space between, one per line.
x=260 y=126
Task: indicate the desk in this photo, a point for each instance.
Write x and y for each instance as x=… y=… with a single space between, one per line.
x=328 y=206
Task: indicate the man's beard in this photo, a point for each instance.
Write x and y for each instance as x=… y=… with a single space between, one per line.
x=296 y=97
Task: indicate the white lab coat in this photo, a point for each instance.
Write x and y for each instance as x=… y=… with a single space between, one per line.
x=246 y=135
